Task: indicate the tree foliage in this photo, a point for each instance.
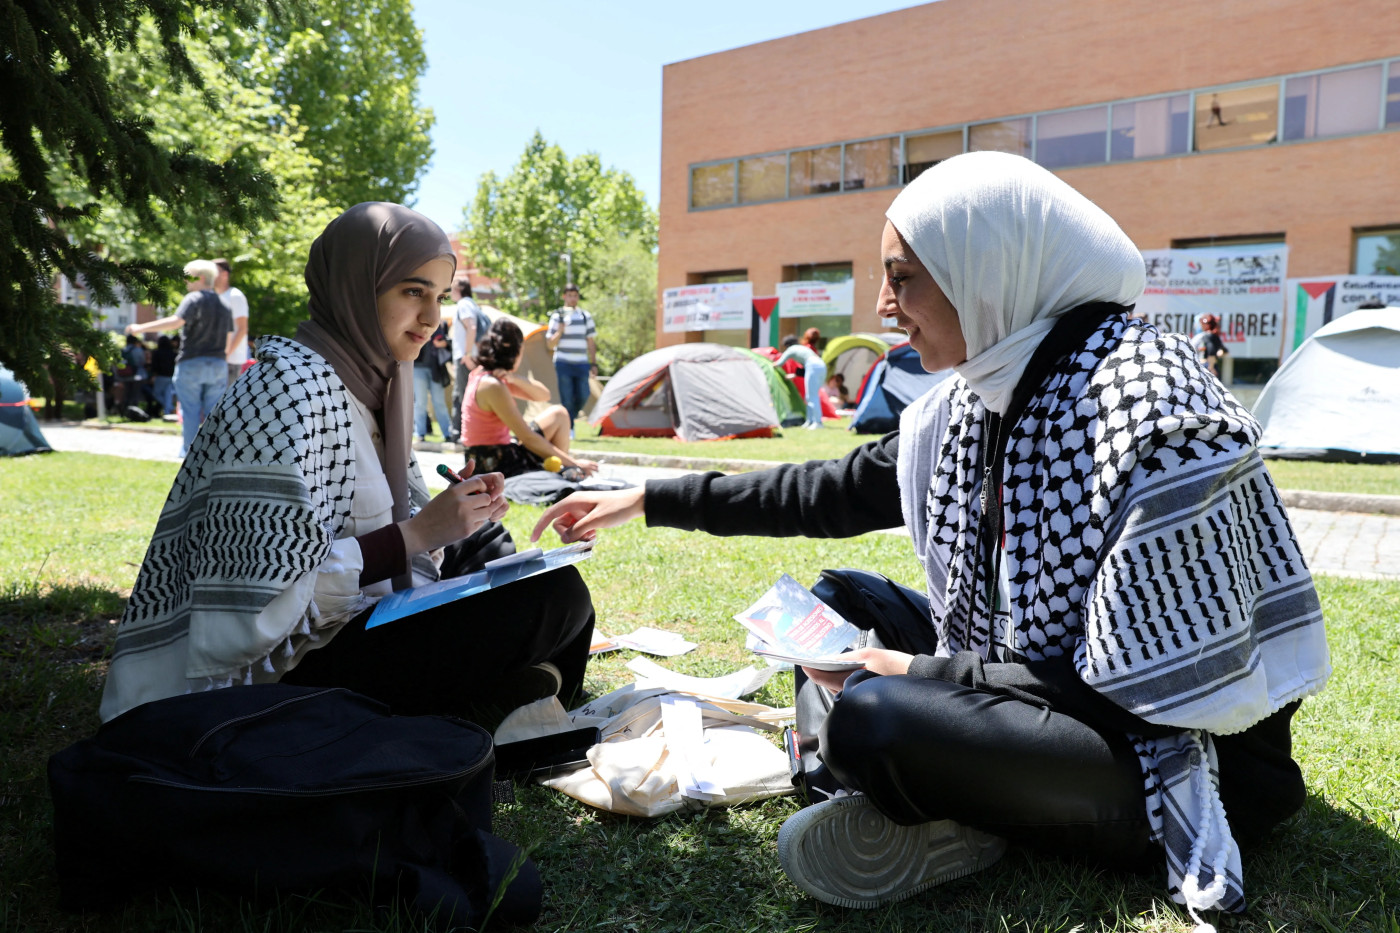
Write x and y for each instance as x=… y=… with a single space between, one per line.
x=620 y=286
x=349 y=79
x=517 y=226
x=235 y=115
x=58 y=107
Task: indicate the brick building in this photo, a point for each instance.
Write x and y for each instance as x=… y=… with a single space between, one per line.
x=1194 y=123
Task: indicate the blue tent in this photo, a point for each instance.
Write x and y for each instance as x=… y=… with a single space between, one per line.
x=893 y=382
x=19 y=429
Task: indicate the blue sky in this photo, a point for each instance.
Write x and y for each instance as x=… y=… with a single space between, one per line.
x=586 y=74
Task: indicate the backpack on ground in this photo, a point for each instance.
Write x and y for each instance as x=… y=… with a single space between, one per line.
x=278 y=788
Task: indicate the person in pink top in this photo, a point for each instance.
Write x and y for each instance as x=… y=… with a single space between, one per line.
x=490 y=415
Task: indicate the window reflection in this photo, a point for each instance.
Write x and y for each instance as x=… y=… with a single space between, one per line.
x=815 y=171
x=922 y=153
x=1243 y=116
x=1013 y=136
x=1332 y=104
x=1072 y=137
x=763 y=178
x=872 y=164
x=1146 y=129
x=712 y=185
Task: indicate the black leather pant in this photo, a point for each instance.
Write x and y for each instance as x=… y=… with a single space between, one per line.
x=982 y=744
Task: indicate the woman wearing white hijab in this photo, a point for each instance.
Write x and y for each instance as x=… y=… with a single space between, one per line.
x=1106 y=665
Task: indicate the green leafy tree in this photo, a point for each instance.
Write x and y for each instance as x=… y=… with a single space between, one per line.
x=351 y=79
x=620 y=286
x=235 y=114
x=64 y=126
x=1388 y=257
x=549 y=204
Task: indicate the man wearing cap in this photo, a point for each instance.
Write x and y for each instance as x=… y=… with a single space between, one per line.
x=237 y=304
x=572 y=336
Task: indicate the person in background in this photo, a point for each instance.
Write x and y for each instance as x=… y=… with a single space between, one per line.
x=572 y=335
x=836 y=388
x=1208 y=344
x=163 y=373
x=429 y=376
x=469 y=327
x=301 y=504
x=135 y=378
x=1119 y=624
x=490 y=415
x=813 y=371
x=237 y=304
x=201 y=366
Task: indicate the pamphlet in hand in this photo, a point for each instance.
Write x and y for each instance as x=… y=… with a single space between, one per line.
x=497 y=573
x=794 y=626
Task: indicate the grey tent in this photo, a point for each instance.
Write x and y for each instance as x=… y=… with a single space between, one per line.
x=19 y=429
x=1337 y=397
x=695 y=391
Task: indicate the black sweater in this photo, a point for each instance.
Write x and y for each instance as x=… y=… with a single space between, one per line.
x=1260 y=783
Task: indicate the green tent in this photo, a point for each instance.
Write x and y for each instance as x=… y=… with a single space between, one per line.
x=853 y=355
x=787 y=401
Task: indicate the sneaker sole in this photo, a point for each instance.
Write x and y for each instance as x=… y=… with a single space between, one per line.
x=846 y=853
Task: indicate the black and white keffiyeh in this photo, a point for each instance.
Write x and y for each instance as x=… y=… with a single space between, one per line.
x=1143 y=536
x=254 y=511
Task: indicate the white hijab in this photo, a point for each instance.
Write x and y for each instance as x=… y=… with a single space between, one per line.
x=1012 y=247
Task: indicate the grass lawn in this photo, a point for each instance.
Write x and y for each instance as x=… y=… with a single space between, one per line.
x=70 y=550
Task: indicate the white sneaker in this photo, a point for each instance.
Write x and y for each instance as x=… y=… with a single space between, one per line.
x=845 y=852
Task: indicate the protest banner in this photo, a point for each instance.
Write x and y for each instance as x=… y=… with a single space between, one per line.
x=1241 y=285
x=721 y=306
x=1313 y=302
x=812 y=299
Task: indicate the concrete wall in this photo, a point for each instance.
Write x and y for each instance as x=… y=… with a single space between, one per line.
x=959 y=61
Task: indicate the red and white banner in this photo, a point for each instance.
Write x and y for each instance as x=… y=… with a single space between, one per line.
x=722 y=306
x=1241 y=285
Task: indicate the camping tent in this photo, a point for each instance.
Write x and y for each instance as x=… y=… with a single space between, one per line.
x=891 y=385
x=852 y=356
x=1337 y=397
x=787 y=400
x=19 y=429
x=696 y=391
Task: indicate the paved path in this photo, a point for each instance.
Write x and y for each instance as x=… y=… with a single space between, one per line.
x=1343 y=543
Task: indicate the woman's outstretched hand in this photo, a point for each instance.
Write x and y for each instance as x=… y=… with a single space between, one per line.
x=456 y=512
x=581 y=514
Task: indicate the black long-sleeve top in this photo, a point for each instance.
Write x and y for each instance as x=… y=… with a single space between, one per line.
x=859 y=493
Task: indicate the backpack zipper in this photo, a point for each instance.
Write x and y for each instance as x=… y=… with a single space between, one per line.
x=262 y=712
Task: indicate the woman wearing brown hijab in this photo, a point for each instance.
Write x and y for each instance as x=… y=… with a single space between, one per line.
x=301 y=502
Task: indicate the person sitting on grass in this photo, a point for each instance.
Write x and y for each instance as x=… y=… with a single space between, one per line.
x=1119 y=624
x=300 y=504
x=490 y=415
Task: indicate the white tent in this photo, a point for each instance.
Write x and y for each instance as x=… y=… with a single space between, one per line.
x=1337 y=397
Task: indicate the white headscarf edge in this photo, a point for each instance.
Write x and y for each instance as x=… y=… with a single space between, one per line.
x=1013 y=247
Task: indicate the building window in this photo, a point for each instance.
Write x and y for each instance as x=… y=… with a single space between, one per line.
x=763 y=178
x=1072 y=137
x=1241 y=116
x=1244 y=239
x=1377 y=252
x=1333 y=104
x=872 y=164
x=712 y=185
x=814 y=171
x=1146 y=129
x=922 y=153
x=1392 y=95
x=1013 y=136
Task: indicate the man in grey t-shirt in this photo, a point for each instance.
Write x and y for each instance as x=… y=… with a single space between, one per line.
x=201 y=373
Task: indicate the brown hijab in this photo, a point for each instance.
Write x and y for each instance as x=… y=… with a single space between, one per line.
x=360 y=255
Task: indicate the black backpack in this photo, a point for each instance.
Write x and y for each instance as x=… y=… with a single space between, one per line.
x=278 y=788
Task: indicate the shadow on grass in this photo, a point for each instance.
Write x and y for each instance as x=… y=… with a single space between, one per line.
x=1333 y=867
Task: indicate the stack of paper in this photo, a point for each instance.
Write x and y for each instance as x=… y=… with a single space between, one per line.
x=794 y=626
